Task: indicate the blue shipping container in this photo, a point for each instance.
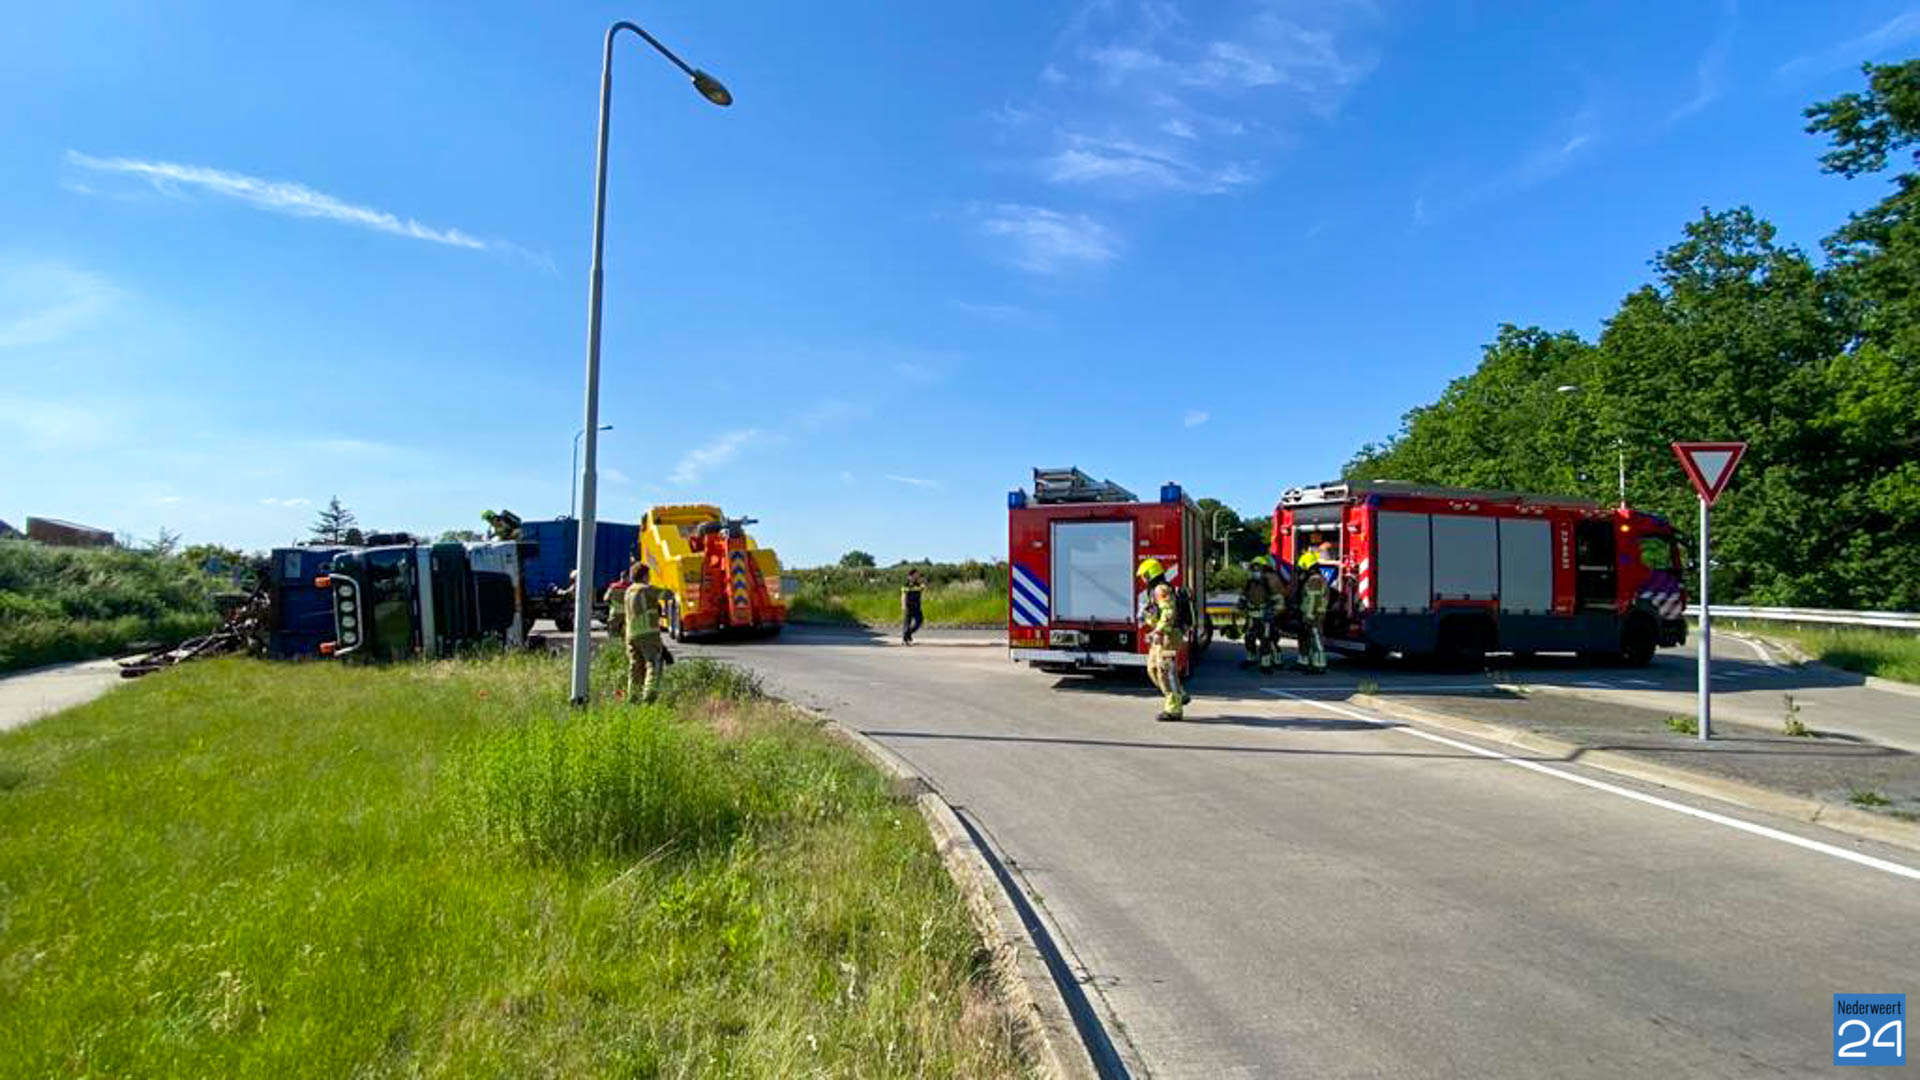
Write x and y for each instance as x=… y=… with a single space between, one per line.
x=302 y=614
x=614 y=545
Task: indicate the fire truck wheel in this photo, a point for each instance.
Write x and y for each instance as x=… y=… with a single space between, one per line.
x=1464 y=643
x=1637 y=641
x=564 y=620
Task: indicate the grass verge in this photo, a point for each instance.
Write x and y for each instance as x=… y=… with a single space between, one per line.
x=966 y=603
x=236 y=868
x=1884 y=653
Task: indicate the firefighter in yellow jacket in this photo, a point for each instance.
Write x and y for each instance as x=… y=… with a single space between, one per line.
x=645 y=654
x=1313 y=614
x=1164 y=638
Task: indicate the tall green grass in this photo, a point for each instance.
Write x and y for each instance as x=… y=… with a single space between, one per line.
x=241 y=869
x=1888 y=654
x=75 y=603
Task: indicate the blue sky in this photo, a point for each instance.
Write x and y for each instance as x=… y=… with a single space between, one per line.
x=252 y=256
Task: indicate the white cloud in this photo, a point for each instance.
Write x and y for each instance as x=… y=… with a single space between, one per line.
x=1128 y=167
x=913 y=481
x=1898 y=30
x=42 y=302
x=288 y=503
x=701 y=460
x=275 y=196
x=1710 y=72
x=1045 y=241
x=1194 y=417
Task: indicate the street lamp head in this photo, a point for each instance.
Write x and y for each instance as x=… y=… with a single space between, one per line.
x=606 y=427
x=711 y=88
x=1566 y=389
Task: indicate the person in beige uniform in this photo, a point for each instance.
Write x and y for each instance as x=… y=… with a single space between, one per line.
x=645 y=654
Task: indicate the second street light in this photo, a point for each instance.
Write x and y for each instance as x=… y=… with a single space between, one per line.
x=573 y=507
x=711 y=89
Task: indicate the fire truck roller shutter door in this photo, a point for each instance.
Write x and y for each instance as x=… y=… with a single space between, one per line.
x=1526 y=566
x=1403 y=578
x=1093 y=569
x=1465 y=557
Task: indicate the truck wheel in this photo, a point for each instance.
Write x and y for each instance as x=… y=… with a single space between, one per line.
x=564 y=619
x=1637 y=641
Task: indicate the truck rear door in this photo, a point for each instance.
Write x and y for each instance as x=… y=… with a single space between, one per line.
x=1092 y=572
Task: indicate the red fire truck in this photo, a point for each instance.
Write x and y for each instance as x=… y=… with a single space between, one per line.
x=1431 y=570
x=1074 y=602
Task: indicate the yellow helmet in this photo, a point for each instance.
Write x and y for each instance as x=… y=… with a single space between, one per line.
x=1265 y=562
x=1150 y=569
x=1308 y=560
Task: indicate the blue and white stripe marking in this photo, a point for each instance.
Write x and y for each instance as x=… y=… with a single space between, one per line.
x=1029 y=596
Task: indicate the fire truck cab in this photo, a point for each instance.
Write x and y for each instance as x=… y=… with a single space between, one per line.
x=1074 y=602
x=1424 y=570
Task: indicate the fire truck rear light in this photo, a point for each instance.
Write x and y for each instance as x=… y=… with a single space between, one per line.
x=326 y=648
x=322 y=581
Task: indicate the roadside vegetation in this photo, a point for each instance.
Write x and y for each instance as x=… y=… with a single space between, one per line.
x=244 y=869
x=1888 y=654
x=60 y=603
x=957 y=594
x=1813 y=360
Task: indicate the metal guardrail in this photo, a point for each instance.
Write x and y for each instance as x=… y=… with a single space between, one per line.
x=1878 y=620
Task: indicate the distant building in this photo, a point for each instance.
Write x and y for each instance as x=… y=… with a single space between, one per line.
x=66 y=533
x=8 y=532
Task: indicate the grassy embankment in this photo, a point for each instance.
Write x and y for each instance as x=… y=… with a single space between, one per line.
x=957 y=594
x=245 y=869
x=76 y=603
x=1888 y=654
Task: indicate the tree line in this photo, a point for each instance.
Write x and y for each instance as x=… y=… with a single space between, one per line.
x=1814 y=363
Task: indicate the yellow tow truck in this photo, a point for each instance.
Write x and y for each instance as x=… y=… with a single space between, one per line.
x=718 y=579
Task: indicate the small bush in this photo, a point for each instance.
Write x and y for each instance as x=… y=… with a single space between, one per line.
x=60 y=604
x=1685 y=725
x=692 y=680
x=1867 y=797
x=1793 y=725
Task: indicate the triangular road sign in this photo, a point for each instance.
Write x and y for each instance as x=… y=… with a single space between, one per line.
x=1709 y=465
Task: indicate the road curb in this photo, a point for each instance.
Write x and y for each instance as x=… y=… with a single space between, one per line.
x=1801 y=658
x=1046 y=1024
x=1836 y=816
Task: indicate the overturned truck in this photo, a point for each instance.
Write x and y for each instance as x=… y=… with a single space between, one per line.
x=406 y=600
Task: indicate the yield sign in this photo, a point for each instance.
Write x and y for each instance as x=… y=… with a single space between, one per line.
x=1709 y=465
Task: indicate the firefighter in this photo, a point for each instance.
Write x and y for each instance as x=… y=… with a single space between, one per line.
x=1313 y=616
x=1260 y=599
x=1165 y=633
x=615 y=600
x=645 y=654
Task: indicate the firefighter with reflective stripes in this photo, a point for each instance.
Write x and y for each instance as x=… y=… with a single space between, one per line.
x=1314 y=591
x=646 y=655
x=1165 y=632
x=1261 y=600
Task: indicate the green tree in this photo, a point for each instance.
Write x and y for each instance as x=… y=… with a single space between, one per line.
x=856 y=560
x=332 y=523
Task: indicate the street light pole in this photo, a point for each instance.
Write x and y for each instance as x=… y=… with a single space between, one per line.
x=574 y=492
x=711 y=89
x=1225 y=556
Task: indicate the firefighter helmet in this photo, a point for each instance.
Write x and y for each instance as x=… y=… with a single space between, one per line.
x=1150 y=569
x=1261 y=562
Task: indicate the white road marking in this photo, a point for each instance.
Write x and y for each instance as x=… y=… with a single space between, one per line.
x=1894 y=868
x=1595 y=682
x=1639 y=682
x=1386 y=688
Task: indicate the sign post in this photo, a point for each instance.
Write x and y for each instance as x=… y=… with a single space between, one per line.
x=1709 y=465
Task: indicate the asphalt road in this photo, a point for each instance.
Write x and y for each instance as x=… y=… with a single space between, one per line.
x=1283 y=886
x=26 y=696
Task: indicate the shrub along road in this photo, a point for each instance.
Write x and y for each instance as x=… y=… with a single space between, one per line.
x=1284 y=886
